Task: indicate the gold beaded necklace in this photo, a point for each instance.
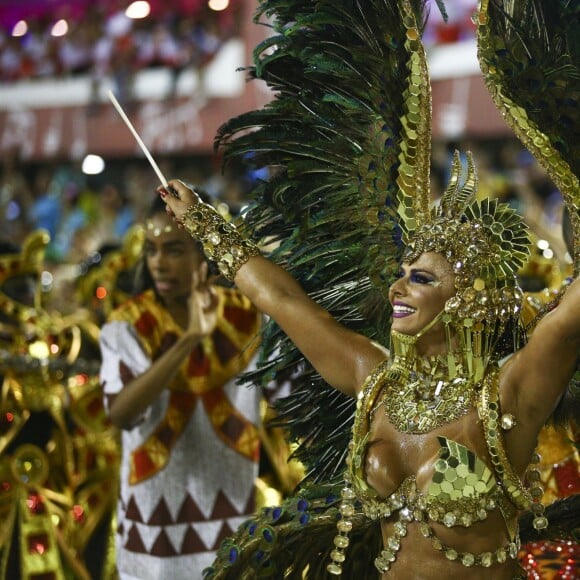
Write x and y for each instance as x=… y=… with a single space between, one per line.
x=423 y=394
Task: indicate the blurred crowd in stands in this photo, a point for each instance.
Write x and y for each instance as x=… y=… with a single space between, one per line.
x=99 y=39
x=82 y=213
x=56 y=39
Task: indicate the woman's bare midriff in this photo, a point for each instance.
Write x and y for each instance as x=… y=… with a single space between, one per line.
x=418 y=560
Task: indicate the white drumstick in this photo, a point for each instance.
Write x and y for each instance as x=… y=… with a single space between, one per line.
x=139 y=140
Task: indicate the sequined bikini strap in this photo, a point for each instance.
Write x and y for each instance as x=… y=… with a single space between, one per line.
x=365 y=405
x=354 y=479
x=514 y=489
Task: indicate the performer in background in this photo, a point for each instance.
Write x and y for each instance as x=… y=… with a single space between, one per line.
x=170 y=359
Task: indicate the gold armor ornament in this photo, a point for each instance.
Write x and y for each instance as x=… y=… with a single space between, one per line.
x=58 y=456
x=221 y=241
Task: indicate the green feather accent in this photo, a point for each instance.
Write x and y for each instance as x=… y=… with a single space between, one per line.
x=294 y=541
x=332 y=135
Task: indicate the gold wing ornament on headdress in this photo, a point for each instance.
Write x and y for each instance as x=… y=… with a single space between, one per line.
x=529 y=52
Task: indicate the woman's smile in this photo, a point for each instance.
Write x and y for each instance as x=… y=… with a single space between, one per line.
x=402 y=310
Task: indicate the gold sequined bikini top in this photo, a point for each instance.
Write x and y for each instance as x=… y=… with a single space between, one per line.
x=463 y=488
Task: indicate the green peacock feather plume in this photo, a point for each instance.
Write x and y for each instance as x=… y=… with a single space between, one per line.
x=345 y=136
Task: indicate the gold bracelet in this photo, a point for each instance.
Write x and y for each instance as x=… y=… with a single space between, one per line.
x=221 y=241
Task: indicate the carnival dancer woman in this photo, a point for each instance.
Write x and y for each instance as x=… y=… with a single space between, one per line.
x=170 y=359
x=417 y=451
x=445 y=425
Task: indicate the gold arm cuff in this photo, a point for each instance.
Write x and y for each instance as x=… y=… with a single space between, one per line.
x=222 y=242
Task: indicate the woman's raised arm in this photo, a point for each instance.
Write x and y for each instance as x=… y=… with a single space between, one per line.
x=541 y=371
x=343 y=358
